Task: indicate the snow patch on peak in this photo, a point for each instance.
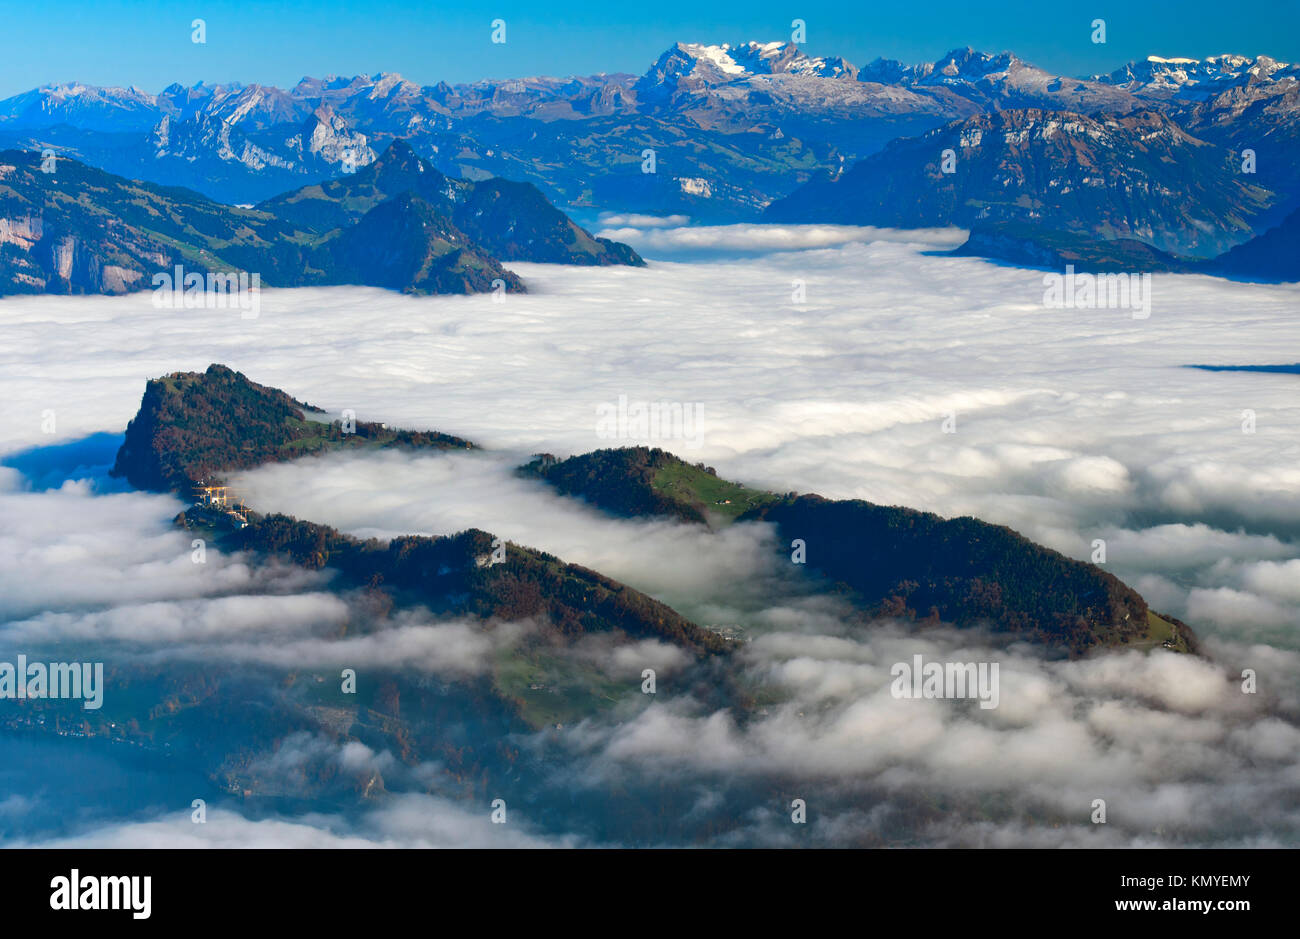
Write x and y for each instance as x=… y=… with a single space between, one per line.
x=773 y=58
x=718 y=56
x=1181 y=75
x=712 y=63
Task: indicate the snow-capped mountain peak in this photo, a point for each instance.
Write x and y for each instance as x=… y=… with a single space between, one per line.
x=78 y=104
x=774 y=58
x=967 y=65
x=717 y=57
x=713 y=64
x=1158 y=75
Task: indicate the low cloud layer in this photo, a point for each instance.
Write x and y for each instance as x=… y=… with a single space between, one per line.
x=671 y=237
x=1072 y=426
x=406 y=820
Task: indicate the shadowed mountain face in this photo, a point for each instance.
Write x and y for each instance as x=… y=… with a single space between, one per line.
x=1272 y=256
x=902 y=562
x=407 y=244
x=896 y=561
x=75 y=229
x=512 y=221
x=1139 y=176
x=1030 y=246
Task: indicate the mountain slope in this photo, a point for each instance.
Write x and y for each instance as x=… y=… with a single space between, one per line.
x=1159 y=78
x=1272 y=256
x=406 y=244
x=82 y=230
x=897 y=562
x=1137 y=176
x=512 y=220
x=902 y=562
x=85 y=106
x=1031 y=246
x=456 y=574
x=733 y=127
x=193 y=426
x=1237 y=101
x=1002 y=81
x=640 y=482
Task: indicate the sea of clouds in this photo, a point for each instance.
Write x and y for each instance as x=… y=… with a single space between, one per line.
x=832 y=369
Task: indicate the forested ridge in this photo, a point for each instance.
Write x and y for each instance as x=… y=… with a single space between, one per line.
x=962 y=570
x=898 y=562
x=193 y=426
x=471 y=572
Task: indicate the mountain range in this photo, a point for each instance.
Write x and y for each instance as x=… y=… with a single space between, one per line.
x=1138 y=175
x=395 y=223
x=733 y=126
x=1189 y=157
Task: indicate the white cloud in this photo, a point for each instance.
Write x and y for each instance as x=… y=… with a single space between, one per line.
x=1168 y=741
x=655 y=238
x=408 y=820
x=632 y=220
x=1071 y=425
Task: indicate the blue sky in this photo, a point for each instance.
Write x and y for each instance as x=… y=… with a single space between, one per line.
x=148 y=43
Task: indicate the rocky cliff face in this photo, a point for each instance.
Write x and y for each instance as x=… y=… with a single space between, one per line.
x=52 y=242
x=74 y=266
x=328 y=138
x=323 y=143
